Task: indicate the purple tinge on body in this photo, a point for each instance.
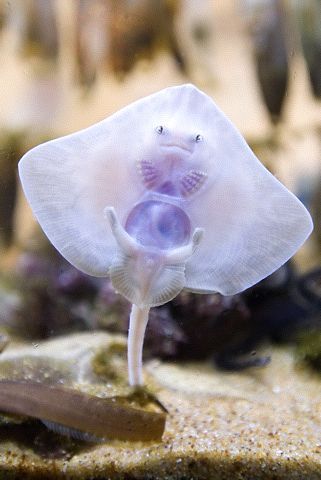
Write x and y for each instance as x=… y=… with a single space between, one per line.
x=158 y=224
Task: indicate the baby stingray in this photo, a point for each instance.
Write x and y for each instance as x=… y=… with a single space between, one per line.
x=163 y=195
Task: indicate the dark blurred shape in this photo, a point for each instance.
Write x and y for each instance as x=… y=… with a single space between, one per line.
x=11 y=149
x=201 y=318
x=164 y=336
x=218 y=327
x=93 y=19
x=118 y=33
x=4 y=340
x=41 y=28
x=310 y=287
x=74 y=284
x=111 y=310
x=230 y=329
x=36 y=25
x=276 y=305
x=315 y=209
x=139 y=28
x=309 y=15
x=43 y=300
x=287 y=306
x=50 y=297
x=271 y=56
x=2 y=16
x=309 y=340
x=201 y=33
x=238 y=362
x=309 y=348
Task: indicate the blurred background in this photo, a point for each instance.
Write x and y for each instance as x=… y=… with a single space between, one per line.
x=67 y=64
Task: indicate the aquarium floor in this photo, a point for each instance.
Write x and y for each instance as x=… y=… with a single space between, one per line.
x=259 y=424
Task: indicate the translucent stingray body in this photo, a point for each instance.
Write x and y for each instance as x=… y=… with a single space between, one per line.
x=163 y=195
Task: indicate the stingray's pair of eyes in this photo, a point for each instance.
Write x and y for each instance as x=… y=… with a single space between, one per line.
x=160 y=130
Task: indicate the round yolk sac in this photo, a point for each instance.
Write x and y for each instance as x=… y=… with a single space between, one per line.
x=159 y=225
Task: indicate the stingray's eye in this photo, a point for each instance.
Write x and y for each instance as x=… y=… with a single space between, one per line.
x=159 y=129
x=198 y=138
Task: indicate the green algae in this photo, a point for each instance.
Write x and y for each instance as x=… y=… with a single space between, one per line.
x=309 y=349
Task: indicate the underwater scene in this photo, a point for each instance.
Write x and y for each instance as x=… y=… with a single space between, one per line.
x=160 y=239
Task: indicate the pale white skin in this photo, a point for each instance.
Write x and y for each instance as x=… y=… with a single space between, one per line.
x=161 y=196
